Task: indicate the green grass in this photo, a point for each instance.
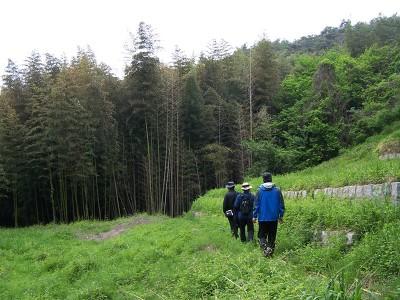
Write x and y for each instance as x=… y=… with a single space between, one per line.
x=194 y=257
x=358 y=165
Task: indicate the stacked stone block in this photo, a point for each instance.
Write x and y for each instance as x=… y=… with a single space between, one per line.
x=383 y=190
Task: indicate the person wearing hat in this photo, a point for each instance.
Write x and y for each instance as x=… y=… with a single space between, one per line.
x=244 y=204
x=269 y=209
x=228 y=209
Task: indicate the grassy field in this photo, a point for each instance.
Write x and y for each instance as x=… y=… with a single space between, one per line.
x=194 y=257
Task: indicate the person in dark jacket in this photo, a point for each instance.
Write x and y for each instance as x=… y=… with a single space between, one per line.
x=244 y=206
x=269 y=208
x=228 y=208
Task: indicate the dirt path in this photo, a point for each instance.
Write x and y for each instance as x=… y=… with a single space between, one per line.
x=120 y=228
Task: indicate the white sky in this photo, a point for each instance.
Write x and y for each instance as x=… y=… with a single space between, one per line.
x=60 y=26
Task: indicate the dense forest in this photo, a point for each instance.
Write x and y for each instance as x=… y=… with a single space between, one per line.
x=77 y=142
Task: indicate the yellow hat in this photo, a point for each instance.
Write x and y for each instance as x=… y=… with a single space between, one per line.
x=246 y=186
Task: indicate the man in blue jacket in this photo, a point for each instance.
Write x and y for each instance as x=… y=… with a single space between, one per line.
x=244 y=204
x=269 y=209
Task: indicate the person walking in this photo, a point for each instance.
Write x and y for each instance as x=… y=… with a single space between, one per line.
x=228 y=208
x=244 y=206
x=269 y=208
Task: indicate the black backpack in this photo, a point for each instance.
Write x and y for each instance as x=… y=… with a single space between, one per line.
x=245 y=205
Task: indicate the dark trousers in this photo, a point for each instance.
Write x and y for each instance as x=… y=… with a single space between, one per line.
x=250 y=229
x=267 y=233
x=233 y=225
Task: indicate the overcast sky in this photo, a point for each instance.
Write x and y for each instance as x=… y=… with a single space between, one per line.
x=60 y=26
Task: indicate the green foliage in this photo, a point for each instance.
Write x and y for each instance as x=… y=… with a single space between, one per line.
x=357 y=165
x=378 y=253
x=266 y=76
x=381 y=30
x=329 y=38
x=329 y=102
x=192 y=112
x=268 y=156
x=337 y=289
x=217 y=155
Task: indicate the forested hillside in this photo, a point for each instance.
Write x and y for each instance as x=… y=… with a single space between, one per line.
x=78 y=142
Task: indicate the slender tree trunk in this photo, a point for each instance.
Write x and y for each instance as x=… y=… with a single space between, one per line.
x=65 y=196
x=76 y=199
x=219 y=121
x=241 y=142
x=251 y=107
x=85 y=196
x=134 y=186
x=178 y=195
x=36 y=206
x=116 y=195
x=97 y=194
x=15 y=197
x=53 y=207
x=158 y=171
x=149 y=173
x=198 y=174
x=61 y=194
x=106 y=211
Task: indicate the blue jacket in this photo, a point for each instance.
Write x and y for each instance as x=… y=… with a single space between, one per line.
x=269 y=204
x=238 y=202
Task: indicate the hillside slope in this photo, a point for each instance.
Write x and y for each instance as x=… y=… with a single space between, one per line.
x=194 y=257
x=357 y=165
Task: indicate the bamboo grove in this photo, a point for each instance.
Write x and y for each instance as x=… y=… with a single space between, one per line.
x=76 y=142
x=79 y=143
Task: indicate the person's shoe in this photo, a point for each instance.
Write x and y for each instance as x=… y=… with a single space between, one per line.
x=268 y=252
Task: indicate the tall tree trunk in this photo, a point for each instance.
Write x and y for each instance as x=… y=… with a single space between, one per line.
x=240 y=118
x=251 y=106
x=15 y=197
x=53 y=207
x=36 y=206
x=116 y=194
x=149 y=173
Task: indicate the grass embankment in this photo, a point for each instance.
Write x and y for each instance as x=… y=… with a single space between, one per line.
x=194 y=257
x=358 y=165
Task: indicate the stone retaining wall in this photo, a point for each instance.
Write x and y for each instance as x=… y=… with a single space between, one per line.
x=384 y=190
x=294 y=194
x=389 y=156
